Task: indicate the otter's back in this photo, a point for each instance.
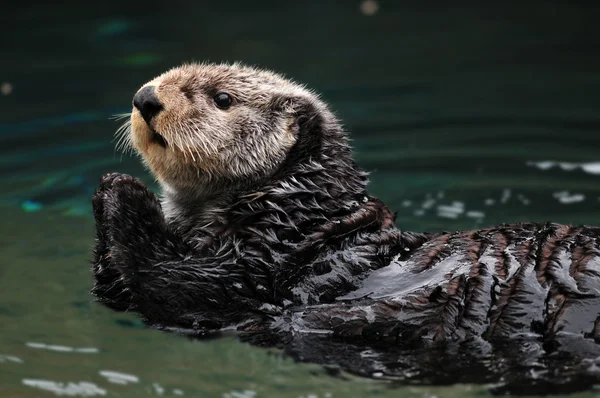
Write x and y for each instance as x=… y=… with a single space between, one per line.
x=523 y=279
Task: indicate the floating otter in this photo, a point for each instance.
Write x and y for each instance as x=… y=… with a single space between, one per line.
x=265 y=227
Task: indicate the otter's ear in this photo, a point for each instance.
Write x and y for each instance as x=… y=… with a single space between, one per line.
x=301 y=108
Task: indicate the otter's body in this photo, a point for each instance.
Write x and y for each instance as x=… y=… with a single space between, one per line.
x=266 y=227
x=527 y=280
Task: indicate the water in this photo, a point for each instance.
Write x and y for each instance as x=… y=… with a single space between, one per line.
x=467 y=116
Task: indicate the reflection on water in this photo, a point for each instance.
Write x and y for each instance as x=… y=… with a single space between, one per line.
x=467 y=116
x=10 y=358
x=81 y=389
x=119 y=378
x=62 y=348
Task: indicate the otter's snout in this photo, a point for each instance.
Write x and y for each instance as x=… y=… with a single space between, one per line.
x=147 y=103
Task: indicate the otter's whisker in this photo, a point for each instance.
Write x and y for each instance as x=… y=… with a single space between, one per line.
x=182 y=142
x=185 y=138
x=122 y=129
x=205 y=142
x=173 y=138
x=186 y=132
x=126 y=144
x=181 y=145
x=190 y=144
x=190 y=133
x=120 y=116
x=123 y=137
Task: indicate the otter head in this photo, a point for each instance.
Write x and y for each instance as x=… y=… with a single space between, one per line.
x=198 y=127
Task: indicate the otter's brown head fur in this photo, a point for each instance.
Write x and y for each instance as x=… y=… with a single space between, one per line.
x=202 y=126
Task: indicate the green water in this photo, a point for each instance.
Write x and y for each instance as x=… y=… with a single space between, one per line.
x=467 y=116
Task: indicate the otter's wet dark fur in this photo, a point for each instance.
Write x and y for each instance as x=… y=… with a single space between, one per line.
x=306 y=257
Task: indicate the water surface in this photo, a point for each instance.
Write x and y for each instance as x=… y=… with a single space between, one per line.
x=467 y=116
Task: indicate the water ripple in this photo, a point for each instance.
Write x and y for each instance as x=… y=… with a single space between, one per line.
x=81 y=389
x=10 y=358
x=62 y=348
x=118 y=377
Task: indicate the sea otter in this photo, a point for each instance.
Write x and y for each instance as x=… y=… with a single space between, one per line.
x=265 y=226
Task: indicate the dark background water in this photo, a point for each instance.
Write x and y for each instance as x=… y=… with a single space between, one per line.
x=466 y=113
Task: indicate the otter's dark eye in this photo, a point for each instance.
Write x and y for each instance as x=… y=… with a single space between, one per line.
x=223 y=100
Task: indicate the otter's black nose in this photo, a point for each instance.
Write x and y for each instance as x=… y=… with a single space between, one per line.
x=146 y=102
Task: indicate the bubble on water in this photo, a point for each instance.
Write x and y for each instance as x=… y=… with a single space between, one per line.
x=71 y=389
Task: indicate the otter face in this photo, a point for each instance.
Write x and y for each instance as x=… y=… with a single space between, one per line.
x=201 y=124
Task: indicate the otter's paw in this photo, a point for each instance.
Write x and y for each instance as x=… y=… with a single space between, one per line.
x=124 y=205
x=129 y=226
x=100 y=196
x=106 y=181
x=130 y=194
x=116 y=189
x=129 y=210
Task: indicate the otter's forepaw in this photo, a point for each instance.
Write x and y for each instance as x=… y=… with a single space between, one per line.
x=130 y=195
x=122 y=200
x=130 y=212
x=100 y=196
x=130 y=226
x=117 y=187
x=107 y=180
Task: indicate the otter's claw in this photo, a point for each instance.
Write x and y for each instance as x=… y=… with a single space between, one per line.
x=107 y=181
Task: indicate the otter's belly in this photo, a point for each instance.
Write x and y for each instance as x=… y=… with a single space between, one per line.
x=524 y=279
